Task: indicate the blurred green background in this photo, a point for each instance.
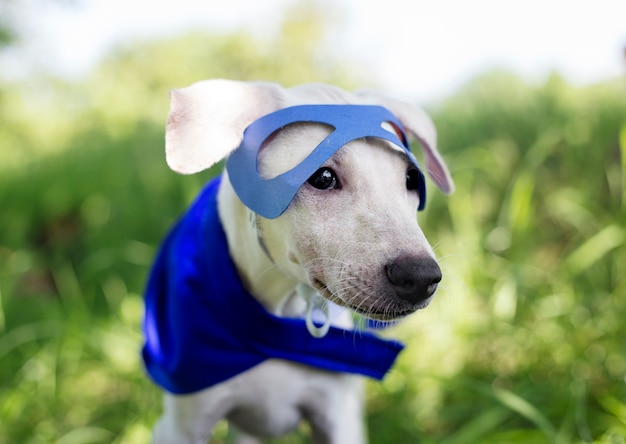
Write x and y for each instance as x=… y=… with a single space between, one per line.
x=526 y=342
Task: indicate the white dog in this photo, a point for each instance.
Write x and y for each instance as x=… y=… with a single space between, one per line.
x=313 y=220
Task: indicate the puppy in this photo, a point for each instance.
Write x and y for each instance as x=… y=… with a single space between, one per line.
x=251 y=301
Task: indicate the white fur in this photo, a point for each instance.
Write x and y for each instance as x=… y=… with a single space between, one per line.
x=336 y=242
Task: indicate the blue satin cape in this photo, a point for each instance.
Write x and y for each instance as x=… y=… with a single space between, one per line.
x=201 y=327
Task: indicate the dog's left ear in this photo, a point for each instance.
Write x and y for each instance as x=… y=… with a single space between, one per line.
x=207 y=120
x=419 y=124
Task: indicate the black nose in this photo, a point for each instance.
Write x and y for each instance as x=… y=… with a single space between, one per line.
x=414 y=279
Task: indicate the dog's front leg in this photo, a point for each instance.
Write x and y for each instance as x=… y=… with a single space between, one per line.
x=336 y=417
x=190 y=419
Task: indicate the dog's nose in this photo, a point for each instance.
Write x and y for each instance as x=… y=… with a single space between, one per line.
x=414 y=279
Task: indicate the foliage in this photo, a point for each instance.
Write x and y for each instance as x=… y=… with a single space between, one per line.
x=525 y=343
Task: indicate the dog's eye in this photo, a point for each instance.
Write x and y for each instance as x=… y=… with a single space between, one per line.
x=413 y=179
x=324 y=179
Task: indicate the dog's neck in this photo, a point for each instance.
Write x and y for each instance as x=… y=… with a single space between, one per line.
x=259 y=275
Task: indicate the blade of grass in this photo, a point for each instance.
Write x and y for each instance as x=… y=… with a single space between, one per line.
x=579 y=393
x=622 y=145
x=614 y=406
x=479 y=426
x=527 y=410
x=27 y=333
x=2 y=316
x=86 y=434
x=70 y=292
x=595 y=248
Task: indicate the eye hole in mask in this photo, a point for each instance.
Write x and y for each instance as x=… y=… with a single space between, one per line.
x=271 y=197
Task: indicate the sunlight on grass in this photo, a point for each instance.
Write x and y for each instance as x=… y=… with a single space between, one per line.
x=85 y=435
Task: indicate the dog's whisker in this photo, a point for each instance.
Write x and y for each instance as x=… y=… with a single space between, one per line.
x=265 y=271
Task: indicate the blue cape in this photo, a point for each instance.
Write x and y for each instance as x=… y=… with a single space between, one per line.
x=202 y=327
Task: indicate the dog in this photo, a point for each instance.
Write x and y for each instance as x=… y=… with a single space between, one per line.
x=252 y=300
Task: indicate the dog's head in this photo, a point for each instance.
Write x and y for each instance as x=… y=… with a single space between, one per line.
x=351 y=229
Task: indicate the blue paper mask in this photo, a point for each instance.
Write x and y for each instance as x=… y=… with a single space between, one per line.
x=271 y=197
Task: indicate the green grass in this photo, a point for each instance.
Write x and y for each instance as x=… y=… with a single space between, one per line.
x=524 y=344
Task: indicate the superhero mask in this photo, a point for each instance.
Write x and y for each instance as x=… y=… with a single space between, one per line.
x=271 y=197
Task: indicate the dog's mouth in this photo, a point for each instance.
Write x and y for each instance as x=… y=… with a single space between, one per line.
x=388 y=311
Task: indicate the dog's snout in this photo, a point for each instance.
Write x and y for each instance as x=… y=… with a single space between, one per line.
x=414 y=279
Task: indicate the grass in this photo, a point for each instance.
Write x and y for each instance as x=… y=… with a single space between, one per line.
x=525 y=343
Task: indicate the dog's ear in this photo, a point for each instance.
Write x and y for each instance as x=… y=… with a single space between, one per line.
x=207 y=120
x=419 y=124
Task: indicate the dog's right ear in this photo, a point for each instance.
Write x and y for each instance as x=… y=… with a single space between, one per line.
x=207 y=120
x=419 y=124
